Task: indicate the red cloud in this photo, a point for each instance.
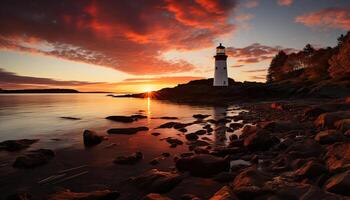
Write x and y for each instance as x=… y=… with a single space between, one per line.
x=255 y=53
x=123 y=35
x=285 y=2
x=337 y=18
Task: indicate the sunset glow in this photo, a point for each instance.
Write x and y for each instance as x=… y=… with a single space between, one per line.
x=97 y=46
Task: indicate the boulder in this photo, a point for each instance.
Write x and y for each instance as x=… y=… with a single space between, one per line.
x=339 y=184
x=343 y=125
x=313 y=113
x=327 y=120
x=202 y=165
x=236 y=125
x=317 y=193
x=166 y=117
x=311 y=169
x=129 y=160
x=225 y=193
x=200 y=116
x=156 y=181
x=191 y=136
x=329 y=137
x=155 y=134
x=91 y=138
x=281 y=126
x=34 y=158
x=305 y=149
x=125 y=119
x=127 y=131
x=20 y=196
x=282 y=188
x=247 y=130
x=189 y=197
x=16 y=145
x=260 y=140
x=155 y=196
x=338 y=157
x=95 y=195
x=249 y=183
x=224 y=177
x=168 y=125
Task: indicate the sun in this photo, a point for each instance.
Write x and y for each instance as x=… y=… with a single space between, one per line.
x=147 y=89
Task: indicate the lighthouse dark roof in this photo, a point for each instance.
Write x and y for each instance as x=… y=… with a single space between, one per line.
x=220 y=46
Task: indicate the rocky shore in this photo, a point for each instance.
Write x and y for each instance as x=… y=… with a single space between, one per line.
x=274 y=150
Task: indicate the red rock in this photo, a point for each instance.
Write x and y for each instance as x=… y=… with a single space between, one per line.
x=338 y=156
x=327 y=120
x=339 y=184
x=155 y=196
x=225 y=193
x=95 y=195
x=329 y=137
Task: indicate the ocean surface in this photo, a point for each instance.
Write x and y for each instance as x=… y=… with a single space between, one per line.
x=40 y=116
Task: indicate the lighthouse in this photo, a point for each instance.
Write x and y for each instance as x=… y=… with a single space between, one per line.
x=220 y=75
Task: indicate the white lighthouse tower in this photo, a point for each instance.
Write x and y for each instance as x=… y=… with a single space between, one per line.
x=220 y=76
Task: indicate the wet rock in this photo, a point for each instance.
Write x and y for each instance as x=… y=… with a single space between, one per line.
x=125 y=119
x=155 y=196
x=168 y=125
x=202 y=165
x=316 y=193
x=282 y=188
x=236 y=125
x=305 y=149
x=71 y=118
x=338 y=157
x=339 y=184
x=186 y=154
x=224 y=151
x=91 y=138
x=174 y=142
x=16 y=145
x=224 y=177
x=281 y=126
x=343 y=125
x=200 y=116
x=327 y=120
x=156 y=181
x=313 y=113
x=20 y=196
x=155 y=134
x=249 y=183
x=127 y=131
x=182 y=130
x=95 y=195
x=191 y=136
x=225 y=193
x=260 y=140
x=200 y=132
x=247 y=130
x=233 y=137
x=155 y=161
x=197 y=143
x=189 y=197
x=201 y=150
x=311 y=169
x=276 y=106
x=129 y=160
x=34 y=158
x=329 y=137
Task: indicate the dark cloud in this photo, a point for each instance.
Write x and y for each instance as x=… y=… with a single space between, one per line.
x=9 y=78
x=236 y=66
x=255 y=53
x=129 y=36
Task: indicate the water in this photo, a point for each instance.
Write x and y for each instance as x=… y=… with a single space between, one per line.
x=39 y=115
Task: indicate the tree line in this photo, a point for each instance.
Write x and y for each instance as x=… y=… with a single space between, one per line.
x=312 y=64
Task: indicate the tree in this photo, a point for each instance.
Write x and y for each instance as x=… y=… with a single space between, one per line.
x=340 y=62
x=275 y=69
x=308 y=50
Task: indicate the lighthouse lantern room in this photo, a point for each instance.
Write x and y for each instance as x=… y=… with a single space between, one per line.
x=220 y=76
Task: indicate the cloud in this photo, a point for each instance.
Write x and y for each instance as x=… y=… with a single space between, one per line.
x=164 y=80
x=258 y=78
x=244 y=17
x=9 y=78
x=255 y=53
x=285 y=2
x=127 y=36
x=330 y=18
x=251 y=4
x=255 y=70
x=236 y=66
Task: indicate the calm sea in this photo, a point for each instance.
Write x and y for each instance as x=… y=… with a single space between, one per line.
x=39 y=116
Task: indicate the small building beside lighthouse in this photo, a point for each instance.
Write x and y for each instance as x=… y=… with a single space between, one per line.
x=220 y=75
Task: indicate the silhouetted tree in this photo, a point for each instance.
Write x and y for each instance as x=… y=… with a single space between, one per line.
x=275 y=68
x=308 y=49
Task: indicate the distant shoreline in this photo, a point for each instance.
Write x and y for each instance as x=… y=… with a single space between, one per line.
x=46 y=91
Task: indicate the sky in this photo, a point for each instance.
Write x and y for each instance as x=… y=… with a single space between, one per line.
x=130 y=46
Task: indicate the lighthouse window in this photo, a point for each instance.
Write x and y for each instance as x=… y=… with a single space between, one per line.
x=224 y=67
x=216 y=68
